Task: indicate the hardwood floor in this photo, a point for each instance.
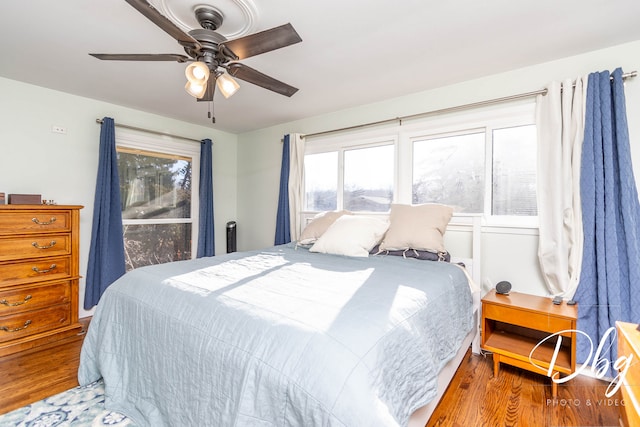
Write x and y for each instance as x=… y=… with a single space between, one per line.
x=38 y=373
x=521 y=398
x=474 y=397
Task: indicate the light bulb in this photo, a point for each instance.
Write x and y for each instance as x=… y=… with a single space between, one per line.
x=227 y=85
x=197 y=72
x=197 y=90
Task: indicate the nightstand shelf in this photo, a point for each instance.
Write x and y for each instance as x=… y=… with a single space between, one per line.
x=521 y=346
x=513 y=325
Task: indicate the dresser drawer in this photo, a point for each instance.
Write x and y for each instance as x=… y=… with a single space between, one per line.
x=34 y=222
x=633 y=375
x=33 y=322
x=631 y=407
x=22 y=298
x=34 y=246
x=30 y=271
x=629 y=346
x=533 y=320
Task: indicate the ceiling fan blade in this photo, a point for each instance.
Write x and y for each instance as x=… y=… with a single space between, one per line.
x=250 y=75
x=164 y=23
x=264 y=41
x=141 y=57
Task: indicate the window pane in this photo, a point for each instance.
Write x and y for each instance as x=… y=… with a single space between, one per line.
x=321 y=181
x=154 y=185
x=450 y=170
x=156 y=244
x=368 y=178
x=514 y=171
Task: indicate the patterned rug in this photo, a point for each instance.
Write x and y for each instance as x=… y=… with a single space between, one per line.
x=80 y=406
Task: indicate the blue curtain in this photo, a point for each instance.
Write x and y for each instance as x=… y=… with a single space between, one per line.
x=283 y=224
x=609 y=288
x=106 y=252
x=206 y=237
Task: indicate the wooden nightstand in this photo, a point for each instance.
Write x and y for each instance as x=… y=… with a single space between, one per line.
x=513 y=325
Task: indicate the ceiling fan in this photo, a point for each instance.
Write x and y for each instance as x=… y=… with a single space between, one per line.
x=210 y=53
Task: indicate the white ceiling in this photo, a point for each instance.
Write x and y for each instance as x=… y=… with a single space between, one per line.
x=353 y=51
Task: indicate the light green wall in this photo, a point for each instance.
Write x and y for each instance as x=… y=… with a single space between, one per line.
x=260 y=152
x=33 y=159
x=247 y=166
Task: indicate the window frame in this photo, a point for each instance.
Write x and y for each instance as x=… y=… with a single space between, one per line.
x=404 y=134
x=132 y=141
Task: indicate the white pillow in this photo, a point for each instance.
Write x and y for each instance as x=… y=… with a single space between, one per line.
x=351 y=235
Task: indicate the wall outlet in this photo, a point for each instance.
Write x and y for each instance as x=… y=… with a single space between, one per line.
x=58 y=129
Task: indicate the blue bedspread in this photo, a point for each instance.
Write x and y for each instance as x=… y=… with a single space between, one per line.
x=277 y=337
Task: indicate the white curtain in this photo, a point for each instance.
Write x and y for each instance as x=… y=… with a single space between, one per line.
x=560 y=117
x=296 y=183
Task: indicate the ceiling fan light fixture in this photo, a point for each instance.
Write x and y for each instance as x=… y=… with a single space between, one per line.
x=197 y=72
x=209 y=50
x=195 y=89
x=227 y=84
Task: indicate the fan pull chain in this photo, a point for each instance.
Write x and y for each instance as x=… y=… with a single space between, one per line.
x=210 y=114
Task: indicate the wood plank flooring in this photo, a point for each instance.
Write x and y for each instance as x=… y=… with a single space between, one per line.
x=521 y=398
x=474 y=398
x=38 y=373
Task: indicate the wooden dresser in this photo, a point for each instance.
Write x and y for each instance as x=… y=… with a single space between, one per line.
x=39 y=274
x=629 y=346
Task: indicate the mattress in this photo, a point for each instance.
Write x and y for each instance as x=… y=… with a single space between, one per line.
x=277 y=337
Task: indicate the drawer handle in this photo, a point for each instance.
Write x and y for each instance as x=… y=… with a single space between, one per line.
x=8 y=329
x=14 y=304
x=50 y=245
x=37 y=270
x=37 y=221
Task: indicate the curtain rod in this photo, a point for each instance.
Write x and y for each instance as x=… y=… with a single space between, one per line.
x=448 y=109
x=155 y=132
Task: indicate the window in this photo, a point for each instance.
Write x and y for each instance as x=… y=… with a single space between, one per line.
x=354 y=176
x=368 y=179
x=479 y=162
x=321 y=181
x=450 y=170
x=158 y=213
x=453 y=170
x=514 y=171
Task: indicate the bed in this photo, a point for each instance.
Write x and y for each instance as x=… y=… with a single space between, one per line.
x=283 y=336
